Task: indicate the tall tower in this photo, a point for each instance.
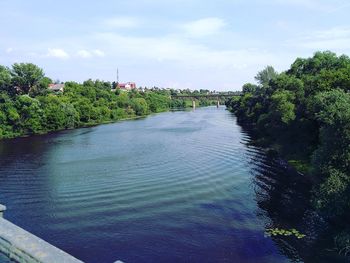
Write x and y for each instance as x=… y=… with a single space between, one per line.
x=117 y=75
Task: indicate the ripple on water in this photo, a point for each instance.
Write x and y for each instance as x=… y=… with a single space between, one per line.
x=174 y=187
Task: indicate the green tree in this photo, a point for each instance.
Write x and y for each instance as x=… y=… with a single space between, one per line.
x=58 y=114
x=305 y=113
x=249 y=88
x=282 y=106
x=263 y=77
x=9 y=117
x=30 y=108
x=332 y=158
x=25 y=76
x=5 y=80
x=157 y=102
x=85 y=110
x=31 y=112
x=140 y=106
x=41 y=88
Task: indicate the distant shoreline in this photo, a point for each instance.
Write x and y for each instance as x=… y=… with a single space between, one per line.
x=87 y=125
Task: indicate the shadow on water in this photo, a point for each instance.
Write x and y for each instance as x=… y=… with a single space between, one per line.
x=283 y=196
x=36 y=143
x=155 y=190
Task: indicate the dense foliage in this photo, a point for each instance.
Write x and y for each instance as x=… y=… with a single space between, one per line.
x=28 y=107
x=187 y=102
x=305 y=114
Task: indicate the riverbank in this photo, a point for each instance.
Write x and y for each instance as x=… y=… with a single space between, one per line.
x=299 y=162
x=87 y=125
x=303 y=114
x=80 y=105
x=26 y=111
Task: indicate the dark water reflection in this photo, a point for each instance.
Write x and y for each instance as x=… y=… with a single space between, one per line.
x=283 y=196
x=174 y=187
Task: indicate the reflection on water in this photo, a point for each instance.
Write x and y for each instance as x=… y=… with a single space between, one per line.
x=174 y=187
x=283 y=196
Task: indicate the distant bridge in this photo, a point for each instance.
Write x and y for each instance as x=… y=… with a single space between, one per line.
x=208 y=96
x=216 y=96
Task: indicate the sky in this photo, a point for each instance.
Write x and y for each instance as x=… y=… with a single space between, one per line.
x=196 y=44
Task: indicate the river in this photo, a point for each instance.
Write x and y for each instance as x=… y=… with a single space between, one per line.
x=183 y=186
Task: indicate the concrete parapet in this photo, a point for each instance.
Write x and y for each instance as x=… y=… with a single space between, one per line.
x=22 y=246
x=2 y=210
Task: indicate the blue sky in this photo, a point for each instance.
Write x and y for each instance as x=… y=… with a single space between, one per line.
x=194 y=44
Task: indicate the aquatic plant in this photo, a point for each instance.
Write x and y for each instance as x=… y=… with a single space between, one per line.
x=283 y=232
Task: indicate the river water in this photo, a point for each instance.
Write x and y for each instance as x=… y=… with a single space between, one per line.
x=182 y=186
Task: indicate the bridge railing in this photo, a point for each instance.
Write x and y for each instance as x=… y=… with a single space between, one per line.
x=211 y=95
x=21 y=246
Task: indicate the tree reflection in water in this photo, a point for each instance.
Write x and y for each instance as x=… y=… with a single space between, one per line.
x=283 y=197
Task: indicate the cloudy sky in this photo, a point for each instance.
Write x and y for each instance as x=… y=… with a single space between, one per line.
x=192 y=44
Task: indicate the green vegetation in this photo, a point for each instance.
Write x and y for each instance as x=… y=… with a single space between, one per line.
x=304 y=113
x=187 y=102
x=284 y=232
x=300 y=165
x=28 y=107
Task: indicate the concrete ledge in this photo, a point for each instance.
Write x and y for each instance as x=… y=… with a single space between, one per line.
x=2 y=210
x=22 y=246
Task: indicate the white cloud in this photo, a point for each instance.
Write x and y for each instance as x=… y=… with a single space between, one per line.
x=57 y=53
x=336 y=38
x=84 y=53
x=185 y=53
x=190 y=62
x=121 y=22
x=9 y=50
x=204 y=27
x=98 y=53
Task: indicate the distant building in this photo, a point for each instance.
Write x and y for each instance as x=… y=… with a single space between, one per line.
x=56 y=87
x=127 y=86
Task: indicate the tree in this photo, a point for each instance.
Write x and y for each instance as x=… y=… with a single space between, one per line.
x=5 y=80
x=27 y=106
x=31 y=113
x=85 y=109
x=282 y=106
x=320 y=61
x=9 y=117
x=304 y=113
x=332 y=158
x=58 y=114
x=263 y=77
x=25 y=76
x=140 y=106
x=157 y=102
x=248 y=87
x=123 y=100
x=41 y=88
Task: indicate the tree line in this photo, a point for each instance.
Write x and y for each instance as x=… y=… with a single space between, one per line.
x=27 y=106
x=304 y=114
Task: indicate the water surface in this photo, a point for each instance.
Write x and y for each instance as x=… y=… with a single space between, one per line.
x=180 y=186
